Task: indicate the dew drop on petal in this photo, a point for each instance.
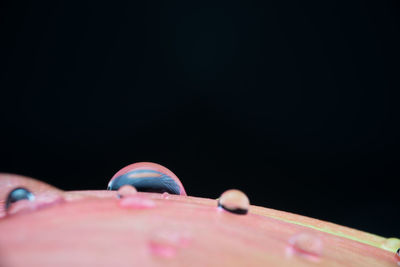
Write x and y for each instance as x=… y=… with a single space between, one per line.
x=18 y=194
x=234 y=201
x=21 y=199
x=126 y=190
x=306 y=245
x=147 y=177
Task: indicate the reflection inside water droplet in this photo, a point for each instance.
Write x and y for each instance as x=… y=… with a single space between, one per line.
x=306 y=245
x=234 y=201
x=136 y=202
x=147 y=177
x=126 y=190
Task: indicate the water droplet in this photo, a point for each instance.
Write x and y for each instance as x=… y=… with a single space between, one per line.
x=147 y=177
x=165 y=195
x=162 y=250
x=21 y=199
x=234 y=201
x=18 y=194
x=306 y=245
x=136 y=202
x=391 y=244
x=126 y=190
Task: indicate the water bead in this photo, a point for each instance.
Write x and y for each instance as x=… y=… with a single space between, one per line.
x=234 y=201
x=18 y=194
x=147 y=177
x=21 y=200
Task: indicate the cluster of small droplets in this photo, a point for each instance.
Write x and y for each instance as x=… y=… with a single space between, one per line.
x=306 y=245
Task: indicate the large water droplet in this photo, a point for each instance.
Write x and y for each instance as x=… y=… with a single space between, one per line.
x=18 y=194
x=306 y=245
x=147 y=177
x=126 y=190
x=234 y=201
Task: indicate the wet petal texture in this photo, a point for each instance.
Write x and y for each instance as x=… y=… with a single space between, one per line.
x=147 y=177
x=125 y=191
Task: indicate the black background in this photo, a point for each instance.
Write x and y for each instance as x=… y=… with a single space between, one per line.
x=292 y=102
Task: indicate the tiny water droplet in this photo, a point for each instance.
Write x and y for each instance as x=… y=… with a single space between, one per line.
x=166 y=244
x=147 y=177
x=165 y=195
x=126 y=190
x=136 y=202
x=162 y=250
x=306 y=245
x=18 y=194
x=234 y=201
x=391 y=244
x=22 y=200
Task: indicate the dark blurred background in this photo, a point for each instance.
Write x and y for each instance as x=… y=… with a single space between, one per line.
x=293 y=102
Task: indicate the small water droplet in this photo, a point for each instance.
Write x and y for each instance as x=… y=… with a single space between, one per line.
x=234 y=201
x=136 y=202
x=18 y=194
x=165 y=195
x=162 y=250
x=21 y=199
x=126 y=190
x=147 y=177
x=391 y=244
x=306 y=245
